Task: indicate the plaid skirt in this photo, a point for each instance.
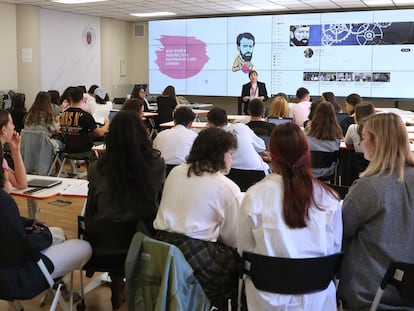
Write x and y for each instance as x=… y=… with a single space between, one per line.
x=216 y=266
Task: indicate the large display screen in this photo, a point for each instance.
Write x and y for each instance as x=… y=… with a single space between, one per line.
x=370 y=53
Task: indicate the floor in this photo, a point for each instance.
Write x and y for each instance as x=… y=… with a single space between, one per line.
x=66 y=218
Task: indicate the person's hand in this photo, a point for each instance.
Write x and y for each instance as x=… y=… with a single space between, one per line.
x=266 y=156
x=15 y=142
x=246 y=98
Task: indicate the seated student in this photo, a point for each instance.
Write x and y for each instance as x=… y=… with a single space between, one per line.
x=330 y=97
x=40 y=117
x=279 y=106
x=167 y=103
x=257 y=123
x=140 y=93
x=175 y=143
x=138 y=172
x=324 y=134
x=377 y=214
x=136 y=105
x=76 y=122
x=199 y=211
x=18 y=110
x=247 y=155
x=65 y=100
x=350 y=103
x=353 y=135
x=16 y=176
x=61 y=257
x=290 y=214
x=300 y=111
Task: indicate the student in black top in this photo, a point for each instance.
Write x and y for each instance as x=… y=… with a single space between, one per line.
x=167 y=103
x=18 y=111
x=350 y=102
x=77 y=122
x=257 y=124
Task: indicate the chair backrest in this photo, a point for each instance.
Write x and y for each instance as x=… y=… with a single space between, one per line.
x=401 y=276
x=106 y=236
x=321 y=159
x=77 y=143
x=340 y=116
x=291 y=275
x=37 y=152
x=168 y=168
x=342 y=190
x=245 y=178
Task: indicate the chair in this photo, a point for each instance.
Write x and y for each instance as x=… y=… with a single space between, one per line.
x=342 y=190
x=165 y=110
x=18 y=251
x=245 y=178
x=289 y=276
x=168 y=168
x=323 y=159
x=401 y=276
x=159 y=278
x=110 y=243
x=77 y=148
x=38 y=154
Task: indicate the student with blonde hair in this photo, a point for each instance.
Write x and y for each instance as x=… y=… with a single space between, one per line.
x=377 y=214
x=279 y=107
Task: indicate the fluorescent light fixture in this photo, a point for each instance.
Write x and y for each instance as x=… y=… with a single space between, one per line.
x=153 y=14
x=404 y=1
x=274 y=7
x=378 y=2
x=76 y=1
x=247 y=8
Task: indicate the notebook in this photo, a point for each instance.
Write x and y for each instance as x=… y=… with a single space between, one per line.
x=43 y=183
x=278 y=121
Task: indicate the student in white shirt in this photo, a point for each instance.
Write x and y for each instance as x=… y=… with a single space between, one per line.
x=290 y=214
x=250 y=150
x=175 y=143
x=300 y=111
x=199 y=213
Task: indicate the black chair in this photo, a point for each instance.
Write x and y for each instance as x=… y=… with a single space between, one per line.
x=342 y=190
x=77 y=148
x=245 y=178
x=168 y=168
x=110 y=243
x=17 y=251
x=401 y=276
x=322 y=159
x=289 y=276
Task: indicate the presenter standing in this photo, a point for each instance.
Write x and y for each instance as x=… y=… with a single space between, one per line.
x=253 y=89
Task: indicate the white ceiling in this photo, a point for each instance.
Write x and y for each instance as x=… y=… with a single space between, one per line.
x=121 y=9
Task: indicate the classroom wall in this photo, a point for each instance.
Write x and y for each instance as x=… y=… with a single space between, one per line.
x=8 y=56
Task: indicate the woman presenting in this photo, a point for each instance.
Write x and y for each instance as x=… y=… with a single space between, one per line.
x=252 y=90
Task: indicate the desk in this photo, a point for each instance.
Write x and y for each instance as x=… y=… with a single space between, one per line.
x=150 y=114
x=69 y=187
x=196 y=125
x=197 y=105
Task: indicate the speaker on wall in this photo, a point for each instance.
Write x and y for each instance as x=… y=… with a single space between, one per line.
x=139 y=31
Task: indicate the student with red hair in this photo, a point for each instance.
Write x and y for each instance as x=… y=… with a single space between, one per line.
x=290 y=214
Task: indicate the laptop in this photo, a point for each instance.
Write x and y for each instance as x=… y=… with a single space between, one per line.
x=278 y=121
x=118 y=100
x=43 y=183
